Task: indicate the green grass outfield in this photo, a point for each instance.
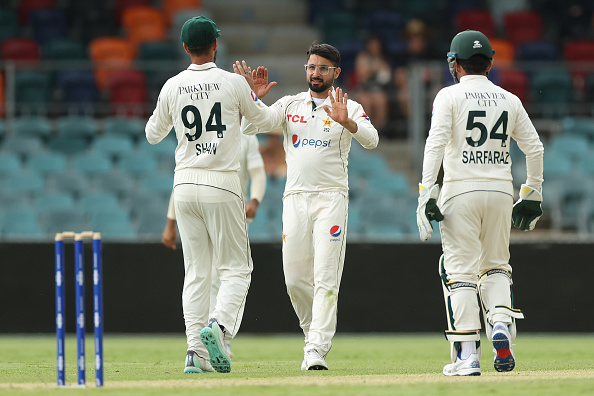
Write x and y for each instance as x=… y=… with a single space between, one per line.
x=270 y=365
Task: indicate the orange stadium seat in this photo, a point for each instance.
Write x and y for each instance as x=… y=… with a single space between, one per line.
x=504 y=52
x=110 y=54
x=121 y=5
x=144 y=24
x=20 y=49
x=481 y=20
x=522 y=26
x=171 y=7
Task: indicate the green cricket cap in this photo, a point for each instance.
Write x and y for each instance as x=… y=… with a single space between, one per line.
x=470 y=42
x=199 y=32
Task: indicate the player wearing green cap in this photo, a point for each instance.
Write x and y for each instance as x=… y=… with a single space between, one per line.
x=472 y=125
x=203 y=104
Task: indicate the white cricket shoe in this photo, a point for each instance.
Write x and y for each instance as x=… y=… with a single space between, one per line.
x=470 y=366
x=197 y=364
x=502 y=347
x=312 y=360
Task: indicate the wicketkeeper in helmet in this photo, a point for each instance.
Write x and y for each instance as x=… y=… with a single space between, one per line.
x=472 y=125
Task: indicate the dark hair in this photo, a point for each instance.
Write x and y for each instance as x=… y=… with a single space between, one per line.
x=476 y=64
x=325 y=51
x=199 y=51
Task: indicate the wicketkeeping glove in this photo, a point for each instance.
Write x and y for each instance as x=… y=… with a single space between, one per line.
x=528 y=209
x=427 y=210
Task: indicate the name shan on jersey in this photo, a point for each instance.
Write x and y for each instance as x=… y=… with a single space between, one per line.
x=206 y=148
x=199 y=91
x=485 y=157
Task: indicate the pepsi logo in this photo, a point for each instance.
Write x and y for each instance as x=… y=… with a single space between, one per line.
x=296 y=141
x=335 y=231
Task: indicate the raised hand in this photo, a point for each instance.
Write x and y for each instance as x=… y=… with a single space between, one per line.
x=257 y=79
x=244 y=70
x=339 y=108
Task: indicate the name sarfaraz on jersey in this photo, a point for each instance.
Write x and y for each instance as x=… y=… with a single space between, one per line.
x=206 y=148
x=485 y=157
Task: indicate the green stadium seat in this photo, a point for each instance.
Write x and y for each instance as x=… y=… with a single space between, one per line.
x=77 y=126
x=32 y=126
x=47 y=162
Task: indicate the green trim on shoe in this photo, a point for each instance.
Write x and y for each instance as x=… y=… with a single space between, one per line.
x=216 y=348
x=194 y=366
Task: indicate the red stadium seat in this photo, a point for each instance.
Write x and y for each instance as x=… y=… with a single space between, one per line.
x=26 y=6
x=127 y=91
x=20 y=49
x=582 y=52
x=516 y=82
x=522 y=26
x=481 y=20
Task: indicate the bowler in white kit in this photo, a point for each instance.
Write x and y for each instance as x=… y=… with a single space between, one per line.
x=204 y=103
x=472 y=125
x=319 y=126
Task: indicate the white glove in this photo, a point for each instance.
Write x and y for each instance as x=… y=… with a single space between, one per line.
x=427 y=210
x=528 y=209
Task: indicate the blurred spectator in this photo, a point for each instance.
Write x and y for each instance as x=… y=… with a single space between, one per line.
x=273 y=154
x=419 y=48
x=373 y=76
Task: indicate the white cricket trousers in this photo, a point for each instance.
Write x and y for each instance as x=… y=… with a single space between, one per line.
x=475 y=236
x=314 y=242
x=211 y=219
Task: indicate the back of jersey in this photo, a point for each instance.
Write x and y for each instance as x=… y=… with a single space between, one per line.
x=481 y=118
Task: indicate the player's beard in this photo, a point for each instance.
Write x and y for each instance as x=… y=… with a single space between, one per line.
x=325 y=87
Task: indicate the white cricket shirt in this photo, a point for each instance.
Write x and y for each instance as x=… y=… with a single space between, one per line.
x=471 y=126
x=316 y=146
x=203 y=103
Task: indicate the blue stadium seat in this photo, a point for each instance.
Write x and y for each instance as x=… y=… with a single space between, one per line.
x=25 y=147
x=138 y=163
x=47 y=162
x=113 y=145
x=116 y=181
x=36 y=126
x=117 y=231
x=130 y=126
x=54 y=200
x=105 y=217
x=48 y=24
x=24 y=231
x=79 y=89
x=389 y=183
x=578 y=126
x=159 y=183
x=539 y=51
x=162 y=150
x=571 y=146
x=9 y=163
x=77 y=126
x=60 y=220
x=98 y=201
x=71 y=181
x=24 y=182
x=19 y=214
x=92 y=163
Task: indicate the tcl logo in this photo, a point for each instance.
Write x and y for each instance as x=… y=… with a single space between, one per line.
x=296 y=118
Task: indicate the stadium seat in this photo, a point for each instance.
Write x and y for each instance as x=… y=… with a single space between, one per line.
x=24 y=231
x=100 y=217
x=116 y=182
x=92 y=21
x=54 y=200
x=523 y=26
x=33 y=88
x=164 y=150
x=71 y=181
x=24 y=182
x=20 y=49
x=79 y=90
x=48 y=24
x=9 y=163
x=92 y=163
x=47 y=162
x=68 y=145
x=98 y=201
x=32 y=126
x=172 y=7
x=339 y=26
x=143 y=24
x=504 y=52
x=159 y=183
x=516 y=82
x=77 y=126
x=385 y=23
x=25 y=147
x=127 y=92
x=574 y=147
x=9 y=24
x=60 y=220
x=121 y=5
x=112 y=145
x=110 y=54
x=476 y=19
x=418 y=8
x=578 y=126
x=129 y=126
x=539 y=51
x=64 y=49
x=552 y=92
x=138 y=164
x=117 y=231
x=26 y=6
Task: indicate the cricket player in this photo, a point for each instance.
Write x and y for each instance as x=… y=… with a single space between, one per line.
x=471 y=127
x=318 y=127
x=251 y=167
x=203 y=103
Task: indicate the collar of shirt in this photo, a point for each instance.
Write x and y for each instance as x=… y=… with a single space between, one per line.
x=204 y=66
x=473 y=77
x=308 y=99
